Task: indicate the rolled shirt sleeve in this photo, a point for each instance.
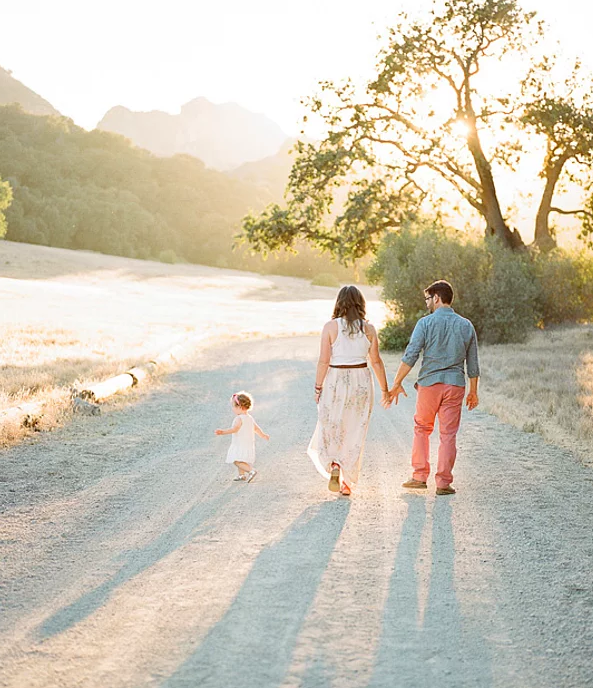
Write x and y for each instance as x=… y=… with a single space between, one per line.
x=415 y=345
x=472 y=363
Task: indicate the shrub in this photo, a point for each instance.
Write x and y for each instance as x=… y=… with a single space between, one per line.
x=168 y=256
x=394 y=336
x=565 y=286
x=494 y=287
x=508 y=306
x=325 y=279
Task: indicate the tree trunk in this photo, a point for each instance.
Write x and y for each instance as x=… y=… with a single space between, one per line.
x=543 y=238
x=495 y=224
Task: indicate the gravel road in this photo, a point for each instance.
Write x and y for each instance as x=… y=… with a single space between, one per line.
x=130 y=558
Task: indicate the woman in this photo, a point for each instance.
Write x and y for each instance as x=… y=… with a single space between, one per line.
x=344 y=391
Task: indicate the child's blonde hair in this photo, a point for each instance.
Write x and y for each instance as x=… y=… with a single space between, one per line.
x=242 y=399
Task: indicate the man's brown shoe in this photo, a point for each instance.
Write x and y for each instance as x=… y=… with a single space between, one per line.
x=415 y=484
x=445 y=490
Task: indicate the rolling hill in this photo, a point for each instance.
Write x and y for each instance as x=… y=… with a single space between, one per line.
x=222 y=136
x=13 y=91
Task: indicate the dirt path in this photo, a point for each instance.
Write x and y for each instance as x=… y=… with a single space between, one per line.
x=130 y=558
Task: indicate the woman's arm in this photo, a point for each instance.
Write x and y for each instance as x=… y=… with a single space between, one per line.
x=230 y=431
x=325 y=352
x=378 y=365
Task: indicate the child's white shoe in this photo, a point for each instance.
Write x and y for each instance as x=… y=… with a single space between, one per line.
x=251 y=475
x=240 y=478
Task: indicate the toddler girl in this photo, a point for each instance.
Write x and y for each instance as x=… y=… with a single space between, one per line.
x=243 y=429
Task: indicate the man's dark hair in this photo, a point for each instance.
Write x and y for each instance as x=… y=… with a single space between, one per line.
x=443 y=289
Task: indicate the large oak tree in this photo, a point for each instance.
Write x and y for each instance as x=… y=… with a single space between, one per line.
x=446 y=111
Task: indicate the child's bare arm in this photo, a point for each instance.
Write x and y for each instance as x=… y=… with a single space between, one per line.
x=260 y=432
x=230 y=431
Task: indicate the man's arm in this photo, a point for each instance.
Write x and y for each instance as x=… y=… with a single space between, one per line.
x=472 y=400
x=472 y=365
x=410 y=357
x=397 y=387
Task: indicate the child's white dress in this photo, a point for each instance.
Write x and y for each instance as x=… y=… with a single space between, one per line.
x=242 y=442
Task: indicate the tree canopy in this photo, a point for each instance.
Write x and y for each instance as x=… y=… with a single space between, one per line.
x=448 y=110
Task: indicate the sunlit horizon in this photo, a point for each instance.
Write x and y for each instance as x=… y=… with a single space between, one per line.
x=266 y=58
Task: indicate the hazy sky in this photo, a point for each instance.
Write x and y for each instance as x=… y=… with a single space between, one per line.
x=87 y=56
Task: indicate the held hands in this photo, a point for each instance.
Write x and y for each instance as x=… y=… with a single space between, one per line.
x=471 y=401
x=385 y=399
x=395 y=391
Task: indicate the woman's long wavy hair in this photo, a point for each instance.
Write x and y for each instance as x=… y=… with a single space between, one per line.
x=351 y=306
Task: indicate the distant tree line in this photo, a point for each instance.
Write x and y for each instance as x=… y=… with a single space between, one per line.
x=94 y=190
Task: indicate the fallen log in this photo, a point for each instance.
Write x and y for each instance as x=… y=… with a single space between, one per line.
x=28 y=414
x=140 y=373
x=105 y=389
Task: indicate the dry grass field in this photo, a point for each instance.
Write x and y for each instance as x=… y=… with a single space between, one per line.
x=544 y=385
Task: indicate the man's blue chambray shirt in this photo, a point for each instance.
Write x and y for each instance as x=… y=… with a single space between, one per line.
x=448 y=340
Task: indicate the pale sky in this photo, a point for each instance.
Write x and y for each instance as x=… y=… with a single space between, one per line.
x=87 y=56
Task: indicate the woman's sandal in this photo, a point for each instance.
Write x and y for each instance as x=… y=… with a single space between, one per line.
x=334 y=481
x=345 y=490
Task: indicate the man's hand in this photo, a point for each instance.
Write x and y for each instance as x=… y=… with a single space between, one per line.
x=395 y=391
x=471 y=401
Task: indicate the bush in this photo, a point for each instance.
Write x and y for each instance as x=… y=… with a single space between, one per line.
x=168 y=256
x=565 y=286
x=494 y=287
x=394 y=336
x=325 y=279
x=508 y=296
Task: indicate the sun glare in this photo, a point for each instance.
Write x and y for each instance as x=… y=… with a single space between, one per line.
x=460 y=128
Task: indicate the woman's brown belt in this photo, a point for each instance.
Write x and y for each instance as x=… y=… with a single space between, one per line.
x=356 y=365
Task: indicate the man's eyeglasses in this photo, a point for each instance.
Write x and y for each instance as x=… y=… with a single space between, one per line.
x=427 y=298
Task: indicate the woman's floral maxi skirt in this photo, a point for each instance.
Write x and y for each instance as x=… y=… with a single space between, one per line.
x=344 y=411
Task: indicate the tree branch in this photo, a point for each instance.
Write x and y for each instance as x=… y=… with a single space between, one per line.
x=571 y=212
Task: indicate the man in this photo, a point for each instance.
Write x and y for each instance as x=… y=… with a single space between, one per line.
x=448 y=341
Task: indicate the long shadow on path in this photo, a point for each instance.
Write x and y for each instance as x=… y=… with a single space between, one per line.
x=193 y=522
x=401 y=633
x=436 y=647
x=198 y=384
x=252 y=645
